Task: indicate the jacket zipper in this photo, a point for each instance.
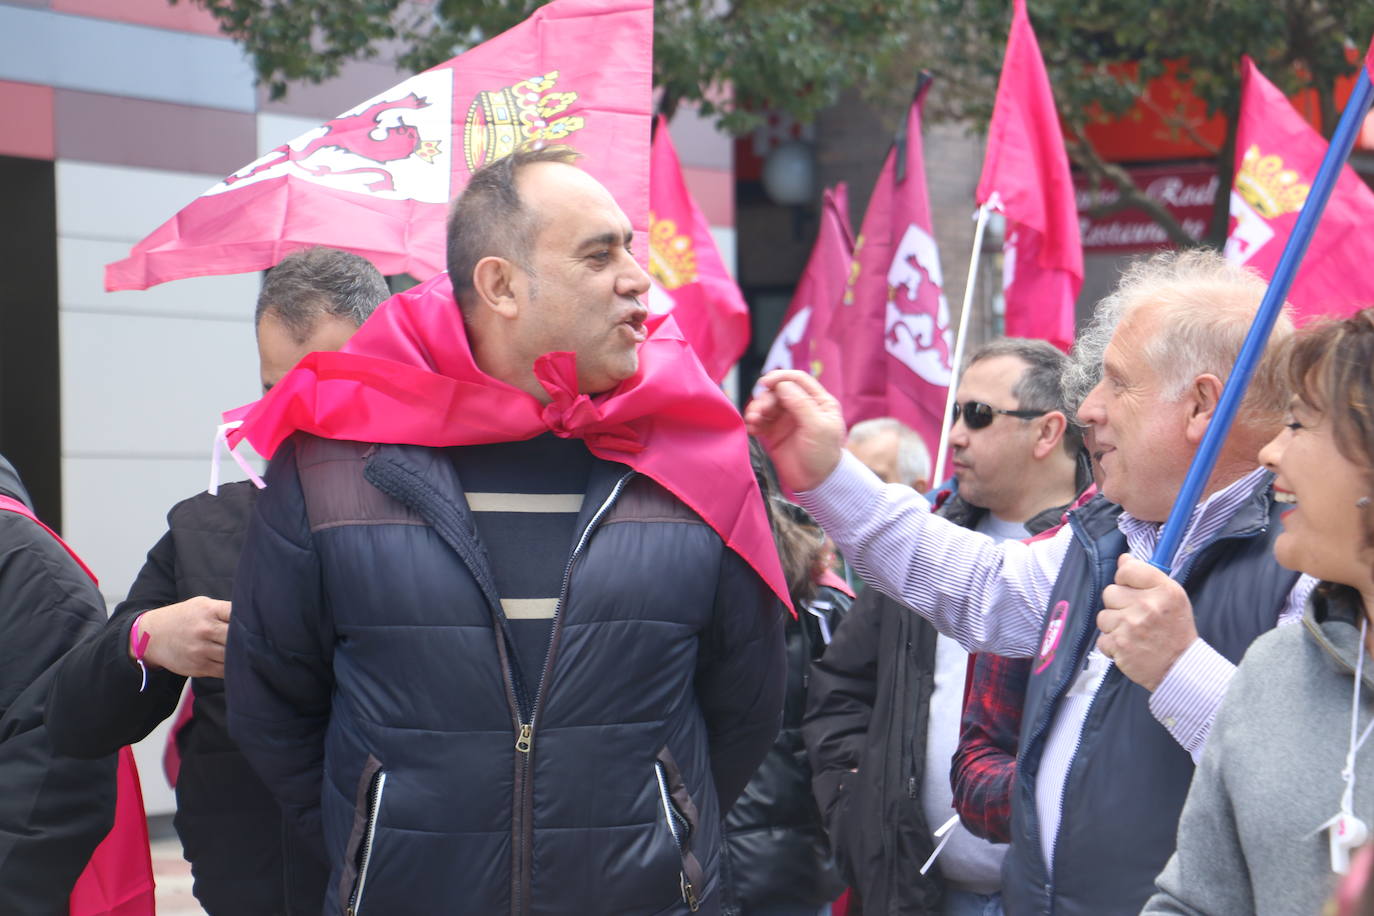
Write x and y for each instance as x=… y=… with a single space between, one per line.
x=374 y=805
x=671 y=815
x=523 y=853
x=1098 y=586
x=1078 y=743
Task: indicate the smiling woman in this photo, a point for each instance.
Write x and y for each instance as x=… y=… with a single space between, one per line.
x=1285 y=791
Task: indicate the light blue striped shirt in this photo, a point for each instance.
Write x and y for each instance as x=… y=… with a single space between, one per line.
x=993 y=597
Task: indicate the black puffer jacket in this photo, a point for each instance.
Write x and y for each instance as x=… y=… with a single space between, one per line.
x=231 y=829
x=777 y=853
x=867 y=711
x=369 y=682
x=54 y=810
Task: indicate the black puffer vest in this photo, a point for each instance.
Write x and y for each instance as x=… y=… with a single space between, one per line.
x=1128 y=780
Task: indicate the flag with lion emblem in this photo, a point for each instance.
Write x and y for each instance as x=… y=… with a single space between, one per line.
x=377 y=180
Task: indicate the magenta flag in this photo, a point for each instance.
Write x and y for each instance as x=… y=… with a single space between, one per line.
x=1026 y=177
x=802 y=342
x=377 y=180
x=1277 y=158
x=892 y=327
x=690 y=279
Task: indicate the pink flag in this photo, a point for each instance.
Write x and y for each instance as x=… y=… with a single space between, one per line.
x=1026 y=176
x=892 y=326
x=690 y=280
x=802 y=342
x=377 y=180
x=1277 y=158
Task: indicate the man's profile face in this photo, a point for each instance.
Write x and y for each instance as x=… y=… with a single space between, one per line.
x=278 y=350
x=584 y=291
x=1138 y=434
x=990 y=462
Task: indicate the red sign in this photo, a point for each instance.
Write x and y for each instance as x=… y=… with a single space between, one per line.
x=1186 y=191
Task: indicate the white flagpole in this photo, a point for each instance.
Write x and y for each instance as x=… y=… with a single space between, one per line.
x=959 y=338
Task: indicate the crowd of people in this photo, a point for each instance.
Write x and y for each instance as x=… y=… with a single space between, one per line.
x=530 y=619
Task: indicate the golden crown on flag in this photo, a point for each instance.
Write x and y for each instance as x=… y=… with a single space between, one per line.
x=854 y=270
x=1267 y=186
x=428 y=150
x=672 y=259
x=501 y=120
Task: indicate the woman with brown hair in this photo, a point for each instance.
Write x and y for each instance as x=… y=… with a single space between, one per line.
x=1285 y=790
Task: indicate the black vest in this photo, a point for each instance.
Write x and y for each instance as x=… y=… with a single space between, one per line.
x=1129 y=777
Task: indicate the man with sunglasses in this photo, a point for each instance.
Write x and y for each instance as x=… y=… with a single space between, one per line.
x=1130 y=665
x=885 y=702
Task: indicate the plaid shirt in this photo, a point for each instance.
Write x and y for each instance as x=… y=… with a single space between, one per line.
x=984 y=765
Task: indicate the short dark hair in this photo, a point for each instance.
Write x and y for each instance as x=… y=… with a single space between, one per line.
x=489 y=219
x=1041 y=385
x=314 y=282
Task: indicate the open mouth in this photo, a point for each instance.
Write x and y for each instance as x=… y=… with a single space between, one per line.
x=1283 y=496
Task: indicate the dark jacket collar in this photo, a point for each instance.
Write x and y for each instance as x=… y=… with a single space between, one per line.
x=960 y=511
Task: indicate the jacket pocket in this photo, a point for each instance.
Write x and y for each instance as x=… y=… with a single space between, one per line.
x=680 y=816
x=358 y=851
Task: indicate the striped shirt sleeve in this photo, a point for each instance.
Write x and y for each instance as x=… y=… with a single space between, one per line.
x=989 y=597
x=1188 y=698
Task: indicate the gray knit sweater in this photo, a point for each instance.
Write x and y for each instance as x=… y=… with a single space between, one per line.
x=1271 y=773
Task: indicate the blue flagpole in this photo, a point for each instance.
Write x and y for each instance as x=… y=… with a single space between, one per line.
x=1206 y=458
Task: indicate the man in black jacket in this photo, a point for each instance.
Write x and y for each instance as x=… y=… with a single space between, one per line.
x=502 y=672
x=244 y=858
x=54 y=810
x=885 y=701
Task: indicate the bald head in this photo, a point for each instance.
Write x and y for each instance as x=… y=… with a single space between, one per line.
x=492 y=219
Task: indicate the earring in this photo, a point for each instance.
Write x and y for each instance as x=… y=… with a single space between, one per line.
x=1362 y=502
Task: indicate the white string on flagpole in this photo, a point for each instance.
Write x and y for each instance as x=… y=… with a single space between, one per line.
x=961 y=335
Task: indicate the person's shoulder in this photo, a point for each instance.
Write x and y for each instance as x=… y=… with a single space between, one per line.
x=36 y=562
x=19 y=531
x=309 y=449
x=1274 y=659
x=646 y=499
x=230 y=507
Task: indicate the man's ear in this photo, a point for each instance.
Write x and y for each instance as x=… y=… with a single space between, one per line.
x=1202 y=397
x=1051 y=434
x=494 y=281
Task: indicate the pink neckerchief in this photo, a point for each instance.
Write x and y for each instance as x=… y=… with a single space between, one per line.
x=408 y=376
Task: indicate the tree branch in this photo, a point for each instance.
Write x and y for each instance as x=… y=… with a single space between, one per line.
x=1178 y=122
x=1081 y=151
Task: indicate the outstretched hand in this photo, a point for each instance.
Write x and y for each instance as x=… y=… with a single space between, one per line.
x=800 y=425
x=188 y=637
x=1146 y=622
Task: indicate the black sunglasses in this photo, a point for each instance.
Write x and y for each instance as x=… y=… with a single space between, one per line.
x=978 y=415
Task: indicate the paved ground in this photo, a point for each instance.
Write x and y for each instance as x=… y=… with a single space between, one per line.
x=173 y=876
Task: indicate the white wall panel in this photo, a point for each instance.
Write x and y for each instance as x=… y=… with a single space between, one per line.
x=121 y=203
x=277 y=129
x=81 y=286
x=140 y=385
